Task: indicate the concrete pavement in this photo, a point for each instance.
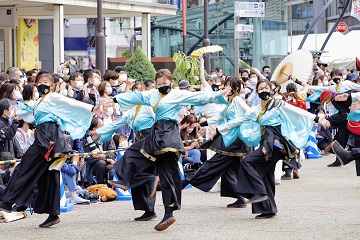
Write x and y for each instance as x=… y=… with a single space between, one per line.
x=322 y=204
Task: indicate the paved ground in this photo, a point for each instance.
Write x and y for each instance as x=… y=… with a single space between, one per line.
x=322 y=204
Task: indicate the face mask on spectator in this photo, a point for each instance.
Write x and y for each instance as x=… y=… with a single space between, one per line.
x=64 y=92
x=253 y=80
x=2 y=171
x=36 y=95
x=189 y=130
x=123 y=77
x=96 y=82
x=17 y=95
x=110 y=111
x=242 y=95
x=116 y=83
x=79 y=84
x=11 y=115
x=22 y=79
x=108 y=90
x=215 y=87
x=326 y=83
x=320 y=115
x=65 y=71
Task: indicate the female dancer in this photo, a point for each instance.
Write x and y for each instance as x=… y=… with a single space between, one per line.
x=162 y=148
x=225 y=162
x=140 y=118
x=280 y=139
x=42 y=161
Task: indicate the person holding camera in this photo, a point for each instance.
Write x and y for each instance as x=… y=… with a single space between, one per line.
x=9 y=124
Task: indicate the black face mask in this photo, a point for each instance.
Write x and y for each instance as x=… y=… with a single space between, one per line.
x=165 y=89
x=215 y=87
x=43 y=89
x=336 y=80
x=264 y=95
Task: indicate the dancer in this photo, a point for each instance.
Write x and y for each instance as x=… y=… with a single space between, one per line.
x=161 y=149
x=225 y=163
x=42 y=161
x=352 y=121
x=285 y=129
x=340 y=86
x=140 y=119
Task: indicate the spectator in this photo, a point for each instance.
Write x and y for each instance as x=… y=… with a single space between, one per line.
x=92 y=81
x=4 y=171
x=188 y=131
x=113 y=78
x=99 y=165
x=69 y=173
x=9 y=123
x=185 y=85
x=24 y=136
x=4 y=78
x=149 y=84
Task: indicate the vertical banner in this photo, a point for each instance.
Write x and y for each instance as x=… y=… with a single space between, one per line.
x=28 y=43
x=355 y=9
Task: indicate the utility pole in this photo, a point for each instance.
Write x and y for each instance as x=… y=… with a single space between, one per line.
x=206 y=41
x=100 y=40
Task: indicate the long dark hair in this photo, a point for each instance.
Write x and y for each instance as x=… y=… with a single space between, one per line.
x=235 y=84
x=190 y=118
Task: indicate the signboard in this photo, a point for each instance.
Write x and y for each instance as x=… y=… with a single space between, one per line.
x=28 y=43
x=244 y=28
x=343 y=27
x=355 y=9
x=7 y=18
x=241 y=35
x=249 y=9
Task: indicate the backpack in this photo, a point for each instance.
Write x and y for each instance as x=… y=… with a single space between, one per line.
x=105 y=193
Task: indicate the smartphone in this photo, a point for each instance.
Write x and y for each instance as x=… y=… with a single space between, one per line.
x=90 y=85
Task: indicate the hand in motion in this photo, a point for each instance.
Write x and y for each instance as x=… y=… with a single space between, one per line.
x=225 y=92
x=98 y=110
x=325 y=123
x=355 y=106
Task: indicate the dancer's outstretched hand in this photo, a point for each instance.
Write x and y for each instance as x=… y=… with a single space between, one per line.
x=98 y=110
x=355 y=105
x=226 y=90
x=325 y=123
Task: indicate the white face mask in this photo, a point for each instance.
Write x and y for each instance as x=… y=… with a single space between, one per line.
x=326 y=83
x=108 y=90
x=65 y=71
x=79 y=84
x=23 y=79
x=11 y=115
x=242 y=96
x=65 y=92
x=116 y=82
x=17 y=95
x=253 y=80
x=2 y=171
x=344 y=76
x=36 y=95
x=320 y=115
x=110 y=111
x=189 y=130
x=96 y=82
x=123 y=77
